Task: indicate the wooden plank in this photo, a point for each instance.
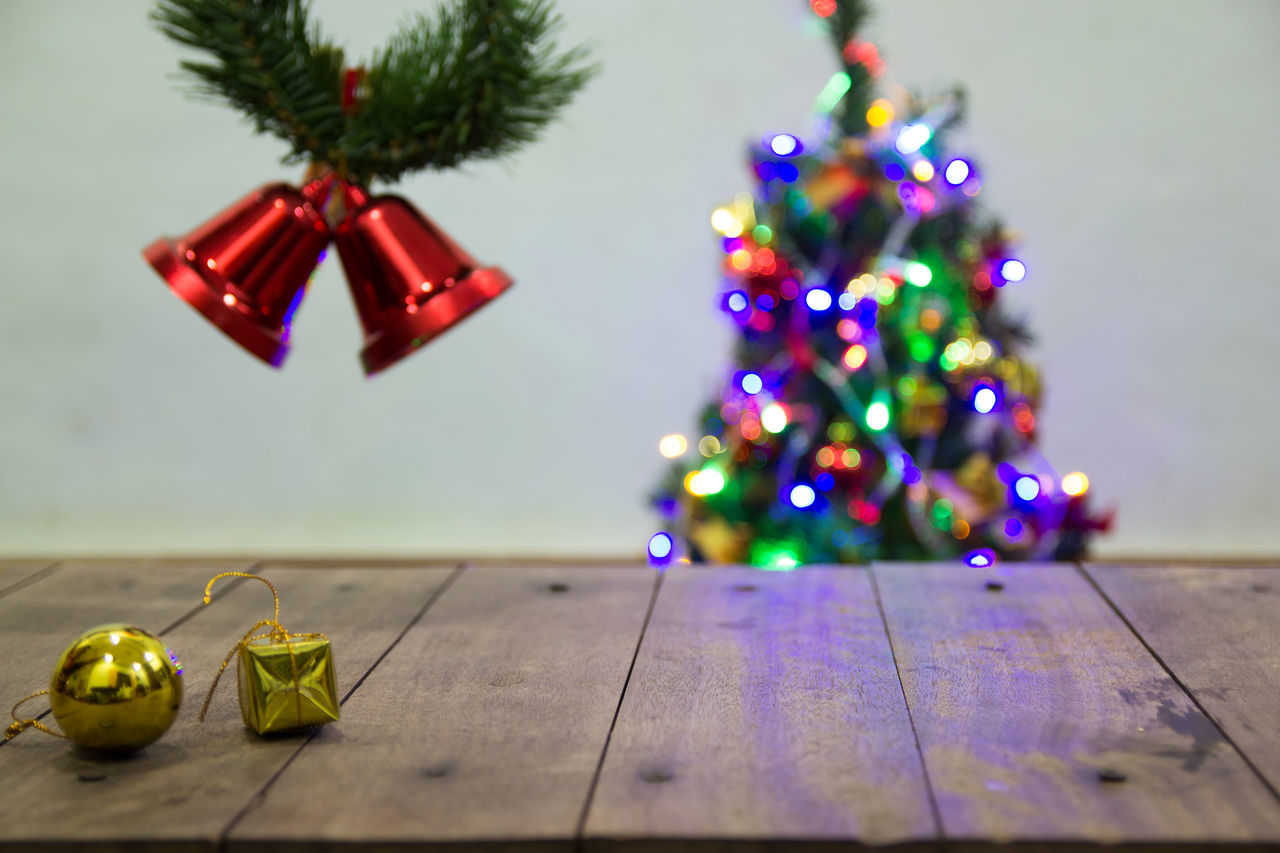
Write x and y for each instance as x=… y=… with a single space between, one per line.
x=362 y=562
x=485 y=724
x=1218 y=631
x=763 y=706
x=185 y=789
x=17 y=573
x=1028 y=698
x=40 y=620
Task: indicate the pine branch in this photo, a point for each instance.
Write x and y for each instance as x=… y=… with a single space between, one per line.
x=478 y=81
x=843 y=26
x=268 y=63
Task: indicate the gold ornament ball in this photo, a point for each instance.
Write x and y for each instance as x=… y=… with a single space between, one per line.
x=116 y=689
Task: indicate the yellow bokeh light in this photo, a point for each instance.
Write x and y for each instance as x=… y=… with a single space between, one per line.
x=708 y=481
x=879 y=113
x=673 y=445
x=855 y=356
x=741 y=259
x=982 y=351
x=922 y=171
x=1075 y=484
x=708 y=446
x=723 y=220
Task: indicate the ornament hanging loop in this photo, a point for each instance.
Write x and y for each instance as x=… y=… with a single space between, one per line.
x=19 y=724
x=276 y=632
x=275 y=616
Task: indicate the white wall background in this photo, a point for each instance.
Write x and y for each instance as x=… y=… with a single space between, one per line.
x=1133 y=144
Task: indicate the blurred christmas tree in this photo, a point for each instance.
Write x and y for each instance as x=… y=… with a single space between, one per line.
x=879 y=406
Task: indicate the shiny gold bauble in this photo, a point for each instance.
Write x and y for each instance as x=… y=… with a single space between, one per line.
x=116 y=689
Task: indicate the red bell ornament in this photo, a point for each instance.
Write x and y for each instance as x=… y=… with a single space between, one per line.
x=246 y=270
x=409 y=281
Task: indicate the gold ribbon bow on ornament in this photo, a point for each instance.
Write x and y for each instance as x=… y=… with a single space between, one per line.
x=286 y=681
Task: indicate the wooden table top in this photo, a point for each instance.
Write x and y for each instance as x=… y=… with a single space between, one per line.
x=924 y=706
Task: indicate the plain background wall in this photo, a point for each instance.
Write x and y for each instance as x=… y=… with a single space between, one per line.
x=1132 y=144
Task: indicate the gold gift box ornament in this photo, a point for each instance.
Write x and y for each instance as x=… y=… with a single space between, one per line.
x=286 y=681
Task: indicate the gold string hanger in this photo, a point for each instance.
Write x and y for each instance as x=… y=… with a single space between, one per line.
x=276 y=632
x=21 y=724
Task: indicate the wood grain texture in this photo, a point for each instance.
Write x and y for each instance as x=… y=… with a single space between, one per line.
x=1021 y=697
x=485 y=724
x=184 y=790
x=1218 y=631
x=762 y=706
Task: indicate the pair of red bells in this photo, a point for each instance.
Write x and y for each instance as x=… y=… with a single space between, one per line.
x=247 y=269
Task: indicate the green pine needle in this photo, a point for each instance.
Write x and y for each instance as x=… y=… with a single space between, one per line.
x=477 y=80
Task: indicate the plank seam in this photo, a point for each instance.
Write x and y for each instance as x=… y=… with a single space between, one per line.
x=224 y=837
x=578 y=835
x=226 y=589
x=30 y=579
x=1089 y=579
x=906 y=703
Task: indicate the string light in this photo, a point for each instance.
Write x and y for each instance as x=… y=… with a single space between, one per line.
x=984 y=399
x=784 y=145
x=835 y=89
x=912 y=138
x=673 y=446
x=1027 y=488
x=879 y=113
x=855 y=356
x=751 y=383
x=1075 y=484
x=723 y=220
x=782 y=560
x=917 y=273
x=736 y=301
x=660 y=547
x=709 y=446
x=877 y=416
x=818 y=299
x=773 y=418
x=823 y=8
x=1013 y=270
x=982 y=558
x=708 y=481
x=923 y=171
x=1023 y=418
x=957 y=172
x=802 y=496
